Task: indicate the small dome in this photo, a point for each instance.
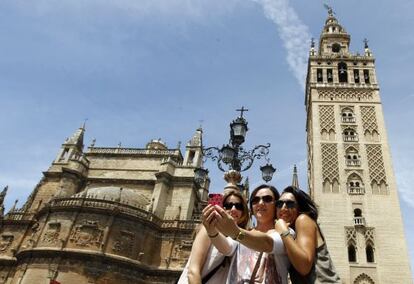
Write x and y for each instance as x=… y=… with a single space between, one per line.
x=156 y=144
x=118 y=194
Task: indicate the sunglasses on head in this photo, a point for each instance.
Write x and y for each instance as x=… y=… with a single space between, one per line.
x=229 y=206
x=289 y=204
x=266 y=199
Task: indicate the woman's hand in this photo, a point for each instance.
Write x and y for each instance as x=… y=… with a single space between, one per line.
x=209 y=220
x=225 y=223
x=281 y=226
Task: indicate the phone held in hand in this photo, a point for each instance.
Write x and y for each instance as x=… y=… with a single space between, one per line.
x=215 y=199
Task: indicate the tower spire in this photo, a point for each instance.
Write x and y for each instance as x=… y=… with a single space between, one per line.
x=334 y=39
x=194 y=149
x=2 y=196
x=77 y=138
x=295 y=181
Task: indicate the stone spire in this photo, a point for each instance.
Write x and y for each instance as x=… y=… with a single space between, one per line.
x=2 y=196
x=197 y=140
x=295 y=181
x=72 y=147
x=194 y=150
x=14 y=206
x=334 y=39
x=77 y=138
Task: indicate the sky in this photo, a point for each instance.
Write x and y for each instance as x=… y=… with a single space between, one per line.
x=149 y=69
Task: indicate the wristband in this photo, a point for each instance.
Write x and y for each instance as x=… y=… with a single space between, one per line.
x=284 y=234
x=213 y=236
x=240 y=236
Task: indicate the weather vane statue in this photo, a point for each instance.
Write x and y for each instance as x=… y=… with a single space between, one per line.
x=329 y=8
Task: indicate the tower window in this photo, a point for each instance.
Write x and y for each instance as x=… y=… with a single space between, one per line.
x=349 y=135
x=342 y=72
x=352 y=158
x=336 y=47
x=348 y=115
x=329 y=75
x=319 y=76
x=355 y=185
x=369 y=253
x=351 y=253
x=356 y=76
x=358 y=219
x=366 y=76
x=191 y=156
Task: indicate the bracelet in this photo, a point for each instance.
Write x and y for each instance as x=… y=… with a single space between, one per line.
x=285 y=234
x=213 y=236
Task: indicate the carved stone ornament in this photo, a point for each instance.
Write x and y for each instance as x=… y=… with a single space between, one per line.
x=6 y=241
x=33 y=236
x=88 y=234
x=233 y=178
x=52 y=234
x=124 y=243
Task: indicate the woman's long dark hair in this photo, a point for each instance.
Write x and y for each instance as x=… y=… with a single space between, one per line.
x=305 y=203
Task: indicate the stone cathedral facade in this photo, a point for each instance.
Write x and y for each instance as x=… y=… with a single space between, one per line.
x=350 y=174
x=106 y=215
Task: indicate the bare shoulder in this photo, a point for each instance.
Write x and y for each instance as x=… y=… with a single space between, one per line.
x=304 y=221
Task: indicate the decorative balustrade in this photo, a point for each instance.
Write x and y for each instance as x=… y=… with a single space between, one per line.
x=347 y=119
x=359 y=221
x=18 y=215
x=350 y=138
x=353 y=163
x=103 y=150
x=357 y=190
x=111 y=205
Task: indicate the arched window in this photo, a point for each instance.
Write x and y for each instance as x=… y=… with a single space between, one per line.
x=352 y=157
x=355 y=185
x=329 y=75
x=351 y=253
x=348 y=115
x=357 y=212
x=369 y=251
x=342 y=72
x=358 y=219
x=349 y=135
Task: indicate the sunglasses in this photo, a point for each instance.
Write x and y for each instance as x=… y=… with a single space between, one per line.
x=229 y=206
x=266 y=199
x=289 y=204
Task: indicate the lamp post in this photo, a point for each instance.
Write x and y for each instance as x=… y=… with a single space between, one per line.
x=233 y=159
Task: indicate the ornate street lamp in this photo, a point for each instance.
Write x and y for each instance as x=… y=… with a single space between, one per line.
x=233 y=158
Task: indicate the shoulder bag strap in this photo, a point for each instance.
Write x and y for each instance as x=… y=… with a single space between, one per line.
x=213 y=271
x=256 y=267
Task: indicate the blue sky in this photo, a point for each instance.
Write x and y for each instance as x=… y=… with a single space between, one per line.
x=139 y=70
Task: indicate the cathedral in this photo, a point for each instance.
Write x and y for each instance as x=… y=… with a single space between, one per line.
x=106 y=215
x=128 y=215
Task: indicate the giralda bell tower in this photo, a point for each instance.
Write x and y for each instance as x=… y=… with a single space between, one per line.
x=349 y=163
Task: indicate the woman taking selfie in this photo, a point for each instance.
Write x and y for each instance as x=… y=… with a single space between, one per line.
x=260 y=257
x=206 y=264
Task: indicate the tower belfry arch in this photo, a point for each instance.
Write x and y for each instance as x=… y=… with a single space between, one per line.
x=349 y=163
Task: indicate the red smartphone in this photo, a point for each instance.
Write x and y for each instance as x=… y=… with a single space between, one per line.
x=215 y=199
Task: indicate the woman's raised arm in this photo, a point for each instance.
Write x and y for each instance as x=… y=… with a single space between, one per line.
x=301 y=252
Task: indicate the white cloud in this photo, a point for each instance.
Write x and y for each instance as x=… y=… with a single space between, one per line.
x=294 y=34
x=405 y=179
